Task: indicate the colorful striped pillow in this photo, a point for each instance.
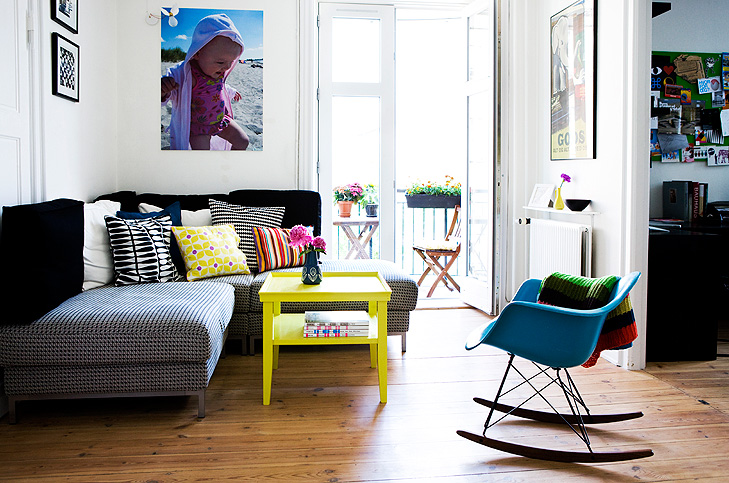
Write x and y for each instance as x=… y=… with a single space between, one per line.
x=273 y=250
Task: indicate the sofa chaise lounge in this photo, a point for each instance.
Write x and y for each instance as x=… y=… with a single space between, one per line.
x=146 y=339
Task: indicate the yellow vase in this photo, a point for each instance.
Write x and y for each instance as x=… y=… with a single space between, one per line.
x=558 y=202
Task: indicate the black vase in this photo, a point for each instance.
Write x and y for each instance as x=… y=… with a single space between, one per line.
x=311 y=273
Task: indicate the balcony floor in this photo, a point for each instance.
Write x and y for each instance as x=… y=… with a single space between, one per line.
x=442 y=298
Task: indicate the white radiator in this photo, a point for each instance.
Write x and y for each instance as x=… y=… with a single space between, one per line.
x=556 y=246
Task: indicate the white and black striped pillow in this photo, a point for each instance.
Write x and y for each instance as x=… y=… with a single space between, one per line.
x=141 y=250
x=244 y=219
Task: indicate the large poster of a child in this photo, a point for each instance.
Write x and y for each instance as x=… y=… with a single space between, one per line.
x=212 y=80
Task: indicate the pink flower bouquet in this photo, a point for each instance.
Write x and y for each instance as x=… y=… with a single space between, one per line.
x=299 y=236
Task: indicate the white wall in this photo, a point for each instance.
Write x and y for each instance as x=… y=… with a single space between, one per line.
x=690 y=26
x=79 y=150
x=600 y=179
x=613 y=179
x=143 y=166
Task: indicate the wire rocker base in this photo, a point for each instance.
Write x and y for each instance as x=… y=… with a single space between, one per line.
x=576 y=420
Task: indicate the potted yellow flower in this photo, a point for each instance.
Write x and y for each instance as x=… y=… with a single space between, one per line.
x=430 y=194
x=370 y=200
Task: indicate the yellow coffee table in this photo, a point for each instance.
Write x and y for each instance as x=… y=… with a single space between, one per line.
x=288 y=329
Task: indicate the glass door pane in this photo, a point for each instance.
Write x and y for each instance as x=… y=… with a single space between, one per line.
x=356 y=51
x=355 y=159
x=481 y=180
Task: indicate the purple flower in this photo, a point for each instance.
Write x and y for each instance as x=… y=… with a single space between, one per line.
x=565 y=177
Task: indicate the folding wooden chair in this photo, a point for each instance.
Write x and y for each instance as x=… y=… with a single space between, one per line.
x=431 y=251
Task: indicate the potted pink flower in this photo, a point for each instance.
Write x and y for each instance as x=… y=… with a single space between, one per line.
x=347 y=195
x=310 y=246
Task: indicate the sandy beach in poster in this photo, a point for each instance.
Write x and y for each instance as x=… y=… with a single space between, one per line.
x=248 y=113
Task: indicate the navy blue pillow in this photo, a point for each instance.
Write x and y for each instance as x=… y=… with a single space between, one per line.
x=175 y=213
x=43 y=245
x=173 y=210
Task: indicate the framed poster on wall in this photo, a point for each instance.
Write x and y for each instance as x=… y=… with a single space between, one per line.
x=65 y=12
x=65 y=58
x=573 y=34
x=212 y=80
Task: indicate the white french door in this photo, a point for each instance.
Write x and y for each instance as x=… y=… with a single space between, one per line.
x=357 y=110
x=481 y=284
x=15 y=104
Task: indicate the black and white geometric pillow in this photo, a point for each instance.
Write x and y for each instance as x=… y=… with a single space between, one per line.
x=141 y=250
x=243 y=219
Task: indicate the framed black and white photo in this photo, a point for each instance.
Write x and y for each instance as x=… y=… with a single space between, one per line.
x=65 y=12
x=541 y=196
x=65 y=56
x=572 y=106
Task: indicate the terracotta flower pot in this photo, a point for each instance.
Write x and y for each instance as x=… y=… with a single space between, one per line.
x=345 y=208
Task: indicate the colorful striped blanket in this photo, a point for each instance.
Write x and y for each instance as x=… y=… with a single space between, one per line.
x=581 y=293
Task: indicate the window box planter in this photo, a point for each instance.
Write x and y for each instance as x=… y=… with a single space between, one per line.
x=432 y=201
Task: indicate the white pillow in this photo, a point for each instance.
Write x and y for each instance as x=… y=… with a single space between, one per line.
x=189 y=218
x=98 y=264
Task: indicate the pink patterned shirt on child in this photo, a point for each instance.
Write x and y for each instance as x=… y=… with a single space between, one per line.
x=208 y=114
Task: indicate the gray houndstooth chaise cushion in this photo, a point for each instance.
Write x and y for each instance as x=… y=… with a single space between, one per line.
x=136 y=324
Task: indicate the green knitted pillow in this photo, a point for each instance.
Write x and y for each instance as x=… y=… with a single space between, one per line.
x=575 y=292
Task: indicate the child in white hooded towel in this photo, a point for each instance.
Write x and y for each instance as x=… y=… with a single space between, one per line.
x=202 y=116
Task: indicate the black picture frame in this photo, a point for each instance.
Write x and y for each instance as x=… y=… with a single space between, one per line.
x=65 y=57
x=65 y=12
x=573 y=77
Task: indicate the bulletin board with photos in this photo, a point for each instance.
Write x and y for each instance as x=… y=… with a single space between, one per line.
x=690 y=107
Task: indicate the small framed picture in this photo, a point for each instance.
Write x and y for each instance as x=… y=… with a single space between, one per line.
x=65 y=12
x=65 y=56
x=541 y=196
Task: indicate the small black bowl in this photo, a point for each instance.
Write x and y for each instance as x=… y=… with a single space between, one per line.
x=576 y=205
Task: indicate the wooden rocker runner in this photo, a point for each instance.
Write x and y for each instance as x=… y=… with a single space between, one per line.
x=553 y=339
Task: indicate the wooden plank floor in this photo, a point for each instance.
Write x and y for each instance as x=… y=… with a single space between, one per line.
x=325 y=423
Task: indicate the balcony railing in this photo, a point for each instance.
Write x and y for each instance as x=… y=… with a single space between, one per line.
x=412 y=224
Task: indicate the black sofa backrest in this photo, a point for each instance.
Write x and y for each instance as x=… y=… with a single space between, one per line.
x=302 y=207
x=43 y=264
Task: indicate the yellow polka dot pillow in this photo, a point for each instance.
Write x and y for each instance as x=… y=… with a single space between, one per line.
x=210 y=251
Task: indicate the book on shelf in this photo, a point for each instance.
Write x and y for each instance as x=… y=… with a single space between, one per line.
x=685 y=200
x=337 y=317
x=336 y=332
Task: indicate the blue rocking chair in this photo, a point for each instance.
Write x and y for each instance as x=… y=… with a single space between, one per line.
x=553 y=339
